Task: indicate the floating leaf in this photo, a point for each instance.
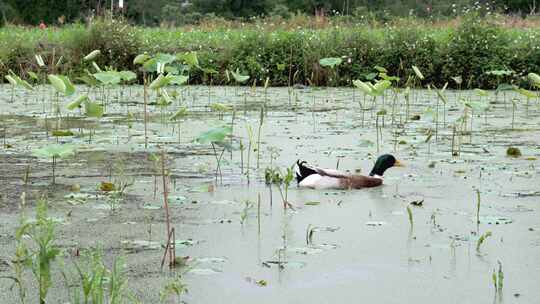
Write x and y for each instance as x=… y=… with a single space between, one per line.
x=375 y=223
x=495 y=220
x=204 y=271
x=513 y=152
x=138 y=245
x=62 y=133
x=106 y=186
x=55 y=150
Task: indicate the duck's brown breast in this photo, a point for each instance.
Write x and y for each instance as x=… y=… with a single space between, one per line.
x=360 y=181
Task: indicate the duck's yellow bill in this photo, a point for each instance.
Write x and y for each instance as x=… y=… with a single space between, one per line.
x=398 y=164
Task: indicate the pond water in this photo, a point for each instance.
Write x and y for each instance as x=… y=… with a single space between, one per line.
x=241 y=243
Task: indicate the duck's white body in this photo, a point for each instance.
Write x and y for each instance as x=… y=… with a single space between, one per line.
x=317 y=181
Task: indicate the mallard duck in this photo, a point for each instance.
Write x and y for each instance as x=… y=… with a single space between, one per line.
x=317 y=178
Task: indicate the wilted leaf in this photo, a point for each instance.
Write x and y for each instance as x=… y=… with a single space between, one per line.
x=92 y=55
x=417 y=72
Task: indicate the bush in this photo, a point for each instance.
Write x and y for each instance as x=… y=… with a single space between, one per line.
x=118 y=41
x=289 y=50
x=475 y=48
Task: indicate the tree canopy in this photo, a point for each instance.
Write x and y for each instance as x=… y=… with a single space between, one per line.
x=152 y=12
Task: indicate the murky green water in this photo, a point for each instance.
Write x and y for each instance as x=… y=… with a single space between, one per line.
x=364 y=248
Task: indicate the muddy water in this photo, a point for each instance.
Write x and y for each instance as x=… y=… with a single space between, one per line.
x=363 y=247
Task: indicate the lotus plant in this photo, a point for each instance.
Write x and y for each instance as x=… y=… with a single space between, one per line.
x=55 y=152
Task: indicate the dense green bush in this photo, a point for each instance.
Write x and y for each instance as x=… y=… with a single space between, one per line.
x=289 y=55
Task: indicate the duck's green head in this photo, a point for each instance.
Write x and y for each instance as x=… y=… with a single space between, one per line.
x=383 y=163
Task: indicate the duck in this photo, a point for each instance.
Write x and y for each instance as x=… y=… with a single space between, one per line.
x=318 y=178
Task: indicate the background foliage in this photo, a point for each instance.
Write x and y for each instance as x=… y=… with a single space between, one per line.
x=288 y=54
x=154 y=12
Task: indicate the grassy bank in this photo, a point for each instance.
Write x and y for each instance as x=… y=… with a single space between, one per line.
x=467 y=48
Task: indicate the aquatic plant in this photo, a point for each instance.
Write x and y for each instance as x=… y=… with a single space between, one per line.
x=410 y=216
x=285 y=181
x=62 y=85
x=40 y=256
x=481 y=240
x=55 y=152
x=332 y=63
x=513 y=152
x=248 y=205
x=261 y=121
x=16 y=81
x=477 y=206
x=498 y=278
x=181 y=113
x=216 y=137
x=175 y=287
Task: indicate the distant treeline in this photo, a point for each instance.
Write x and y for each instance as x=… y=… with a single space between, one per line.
x=180 y=12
